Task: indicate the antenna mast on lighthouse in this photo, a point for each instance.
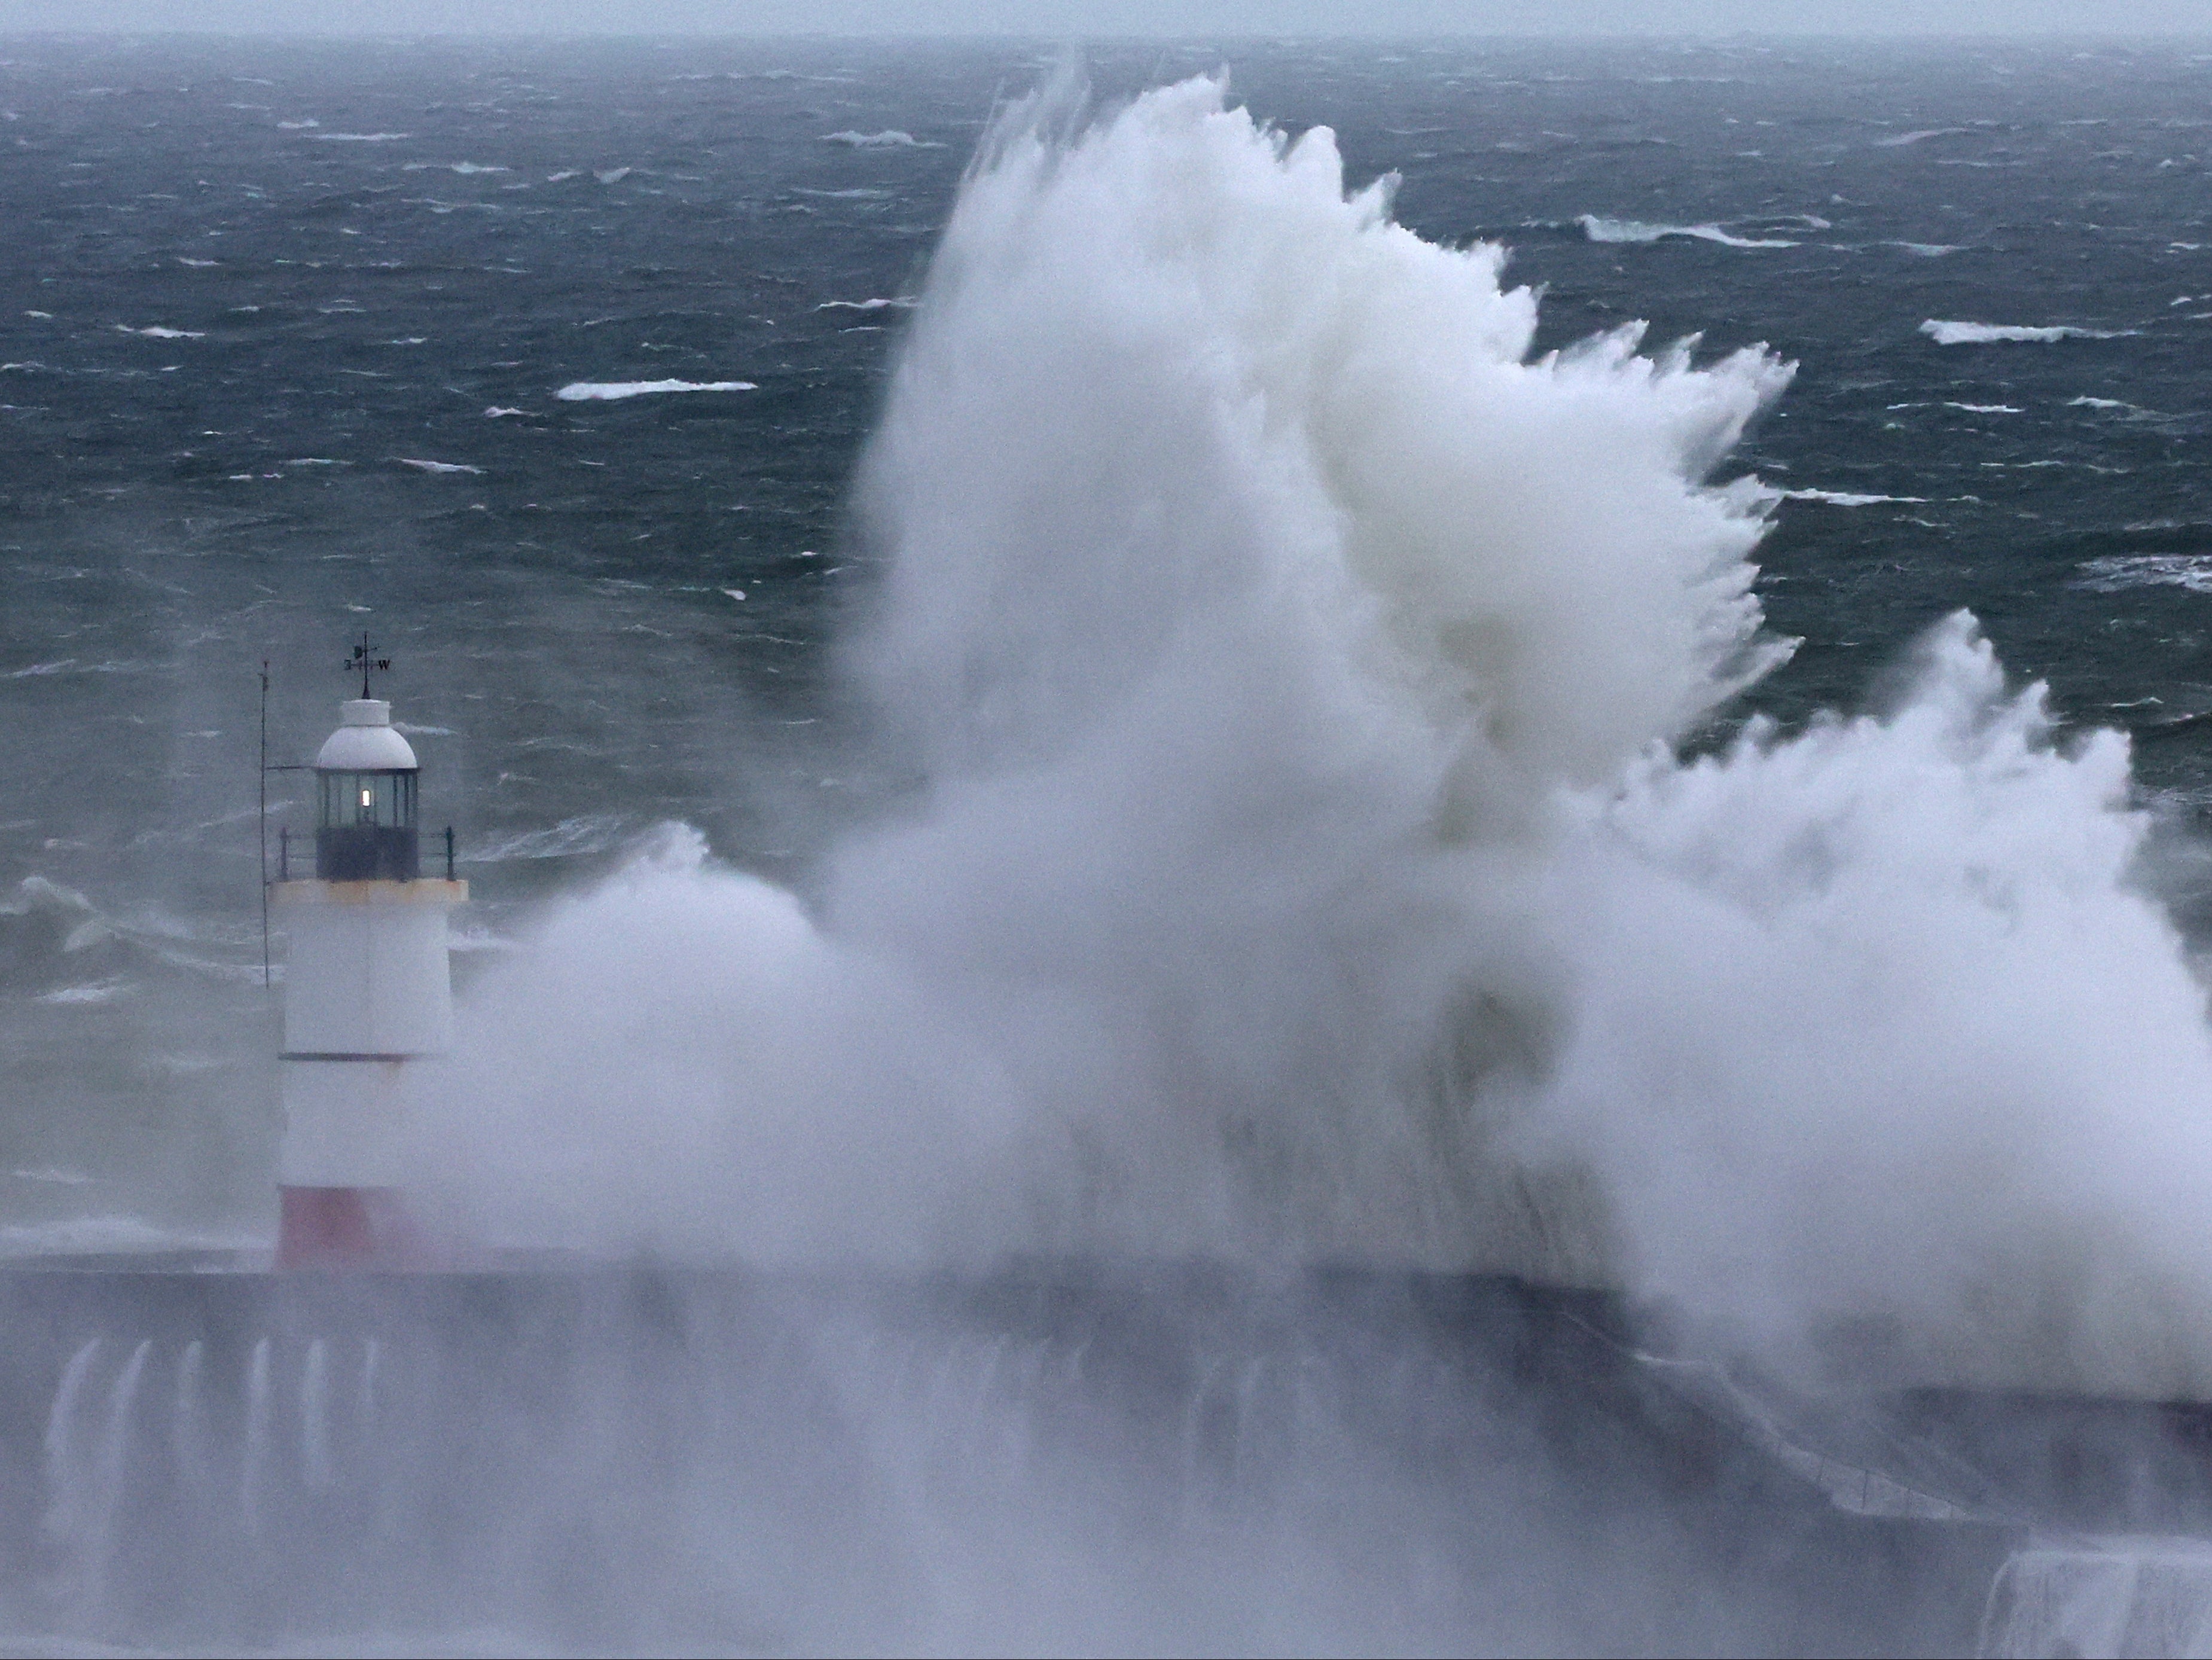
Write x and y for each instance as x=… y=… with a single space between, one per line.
x=263 y=822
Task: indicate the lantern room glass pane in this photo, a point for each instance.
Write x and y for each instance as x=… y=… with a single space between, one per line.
x=367 y=800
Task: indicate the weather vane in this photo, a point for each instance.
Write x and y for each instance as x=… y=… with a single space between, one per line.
x=365 y=659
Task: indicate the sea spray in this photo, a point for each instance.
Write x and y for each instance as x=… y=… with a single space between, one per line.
x=684 y=1062
x=1871 y=1027
x=1301 y=868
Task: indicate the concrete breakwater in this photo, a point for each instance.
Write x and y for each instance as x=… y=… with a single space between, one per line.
x=577 y=1457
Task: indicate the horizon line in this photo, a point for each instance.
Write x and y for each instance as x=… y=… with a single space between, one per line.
x=2029 y=36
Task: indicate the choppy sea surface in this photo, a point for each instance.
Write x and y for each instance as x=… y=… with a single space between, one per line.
x=548 y=367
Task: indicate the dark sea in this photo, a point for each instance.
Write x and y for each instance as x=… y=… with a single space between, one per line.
x=284 y=329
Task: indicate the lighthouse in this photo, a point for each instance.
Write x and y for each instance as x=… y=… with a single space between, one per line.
x=367 y=993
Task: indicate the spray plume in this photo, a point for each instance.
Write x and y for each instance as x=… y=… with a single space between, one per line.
x=1304 y=871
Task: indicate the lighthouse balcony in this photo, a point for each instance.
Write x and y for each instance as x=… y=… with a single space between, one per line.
x=367 y=853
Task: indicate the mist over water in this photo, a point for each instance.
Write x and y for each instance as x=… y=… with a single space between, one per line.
x=1301 y=867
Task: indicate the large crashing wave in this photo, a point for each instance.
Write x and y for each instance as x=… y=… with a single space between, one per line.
x=1305 y=872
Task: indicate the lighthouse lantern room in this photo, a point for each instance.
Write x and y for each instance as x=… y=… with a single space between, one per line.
x=365 y=829
x=367 y=991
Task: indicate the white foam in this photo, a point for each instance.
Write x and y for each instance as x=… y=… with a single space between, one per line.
x=1195 y=688
x=1846 y=498
x=611 y=175
x=462 y=167
x=1928 y=250
x=2192 y=571
x=436 y=466
x=1299 y=866
x=1979 y=334
x=587 y=833
x=1901 y=139
x=891 y=139
x=577 y=391
x=298 y=126
x=97 y=991
x=156 y=331
x=1634 y=230
x=1984 y=408
x=362 y=138
x=499 y=413
x=900 y=301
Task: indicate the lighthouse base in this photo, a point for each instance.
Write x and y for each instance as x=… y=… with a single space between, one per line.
x=347 y=1228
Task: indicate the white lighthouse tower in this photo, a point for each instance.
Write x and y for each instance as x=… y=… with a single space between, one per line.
x=367 y=991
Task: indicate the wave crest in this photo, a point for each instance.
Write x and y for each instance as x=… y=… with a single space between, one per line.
x=1945 y=333
x=1299 y=865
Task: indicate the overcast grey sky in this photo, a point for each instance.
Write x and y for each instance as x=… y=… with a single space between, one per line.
x=1103 y=18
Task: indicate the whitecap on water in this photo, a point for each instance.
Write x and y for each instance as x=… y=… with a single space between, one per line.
x=577 y=391
x=891 y=138
x=2115 y=405
x=94 y=991
x=1846 y=498
x=2192 y=571
x=589 y=833
x=1948 y=333
x=1900 y=139
x=1599 y=229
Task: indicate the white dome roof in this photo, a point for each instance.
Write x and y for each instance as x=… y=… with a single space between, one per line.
x=366 y=742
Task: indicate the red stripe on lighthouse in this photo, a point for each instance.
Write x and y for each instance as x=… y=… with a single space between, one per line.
x=347 y=1228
